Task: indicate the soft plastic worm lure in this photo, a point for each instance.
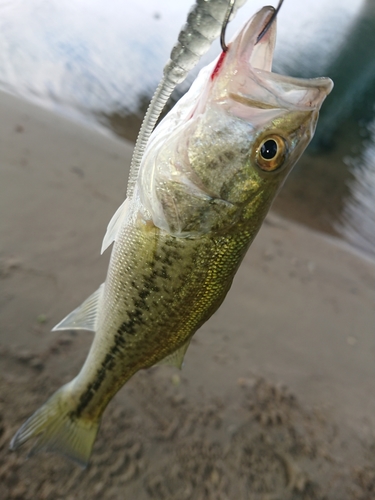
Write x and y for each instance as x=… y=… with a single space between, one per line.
x=203 y=25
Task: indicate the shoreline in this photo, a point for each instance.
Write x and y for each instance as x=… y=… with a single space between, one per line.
x=316 y=211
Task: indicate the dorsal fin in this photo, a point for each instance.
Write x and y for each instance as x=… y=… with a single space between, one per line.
x=85 y=316
x=114 y=225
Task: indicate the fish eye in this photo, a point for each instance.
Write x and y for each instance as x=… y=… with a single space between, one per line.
x=268 y=150
x=270 y=153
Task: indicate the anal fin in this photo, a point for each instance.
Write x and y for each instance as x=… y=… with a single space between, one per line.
x=85 y=316
x=177 y=357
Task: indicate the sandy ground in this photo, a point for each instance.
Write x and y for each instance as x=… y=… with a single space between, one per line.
x=276 y=398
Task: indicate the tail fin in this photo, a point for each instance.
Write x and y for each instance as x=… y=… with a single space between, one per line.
x=57 y=429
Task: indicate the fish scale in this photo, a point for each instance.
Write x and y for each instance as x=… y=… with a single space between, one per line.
x=198 y=285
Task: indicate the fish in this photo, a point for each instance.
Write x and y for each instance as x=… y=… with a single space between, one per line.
x=208 y=177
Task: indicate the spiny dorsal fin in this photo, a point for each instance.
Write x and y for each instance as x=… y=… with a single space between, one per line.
x=114 y=226
x=176 y=358
x=85 y=316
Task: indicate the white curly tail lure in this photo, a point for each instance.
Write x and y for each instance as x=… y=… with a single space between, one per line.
x=204 y=24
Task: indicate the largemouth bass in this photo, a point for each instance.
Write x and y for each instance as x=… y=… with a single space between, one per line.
x=206 y=182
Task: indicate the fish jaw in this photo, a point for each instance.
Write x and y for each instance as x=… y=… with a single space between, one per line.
x=245 y=76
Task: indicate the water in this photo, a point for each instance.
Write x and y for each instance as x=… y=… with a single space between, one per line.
x=100 y=62
x=357 y=220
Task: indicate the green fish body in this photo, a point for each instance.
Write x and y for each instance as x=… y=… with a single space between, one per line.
x=207 y=180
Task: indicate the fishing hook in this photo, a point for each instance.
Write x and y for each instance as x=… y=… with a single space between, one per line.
x=225 y=24
x=269 y=22
x=224 y=46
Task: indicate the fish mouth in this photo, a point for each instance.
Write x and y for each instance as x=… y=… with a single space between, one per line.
x=251 y=62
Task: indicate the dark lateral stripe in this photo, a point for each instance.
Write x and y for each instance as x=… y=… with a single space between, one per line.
x=135 y=319
x=107 y=365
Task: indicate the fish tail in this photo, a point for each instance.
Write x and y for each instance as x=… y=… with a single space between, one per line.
x=58 y=429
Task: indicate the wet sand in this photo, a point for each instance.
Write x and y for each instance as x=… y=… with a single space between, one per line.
x=276 y=398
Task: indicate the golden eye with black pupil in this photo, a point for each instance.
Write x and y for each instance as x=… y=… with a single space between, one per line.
x=270 y=153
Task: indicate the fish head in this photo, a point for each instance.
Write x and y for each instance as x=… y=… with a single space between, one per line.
x=273 y=117
x=227 y=147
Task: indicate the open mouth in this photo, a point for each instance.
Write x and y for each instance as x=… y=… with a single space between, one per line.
x=252 y=60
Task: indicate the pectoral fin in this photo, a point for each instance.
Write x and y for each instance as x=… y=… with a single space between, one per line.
x=176 y=358
x=85 y=316
x=114 y=226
